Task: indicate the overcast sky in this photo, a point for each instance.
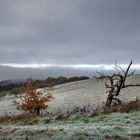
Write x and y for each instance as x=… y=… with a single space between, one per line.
x=69 y=32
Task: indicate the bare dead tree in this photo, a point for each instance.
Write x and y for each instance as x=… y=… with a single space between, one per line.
x=115 y=82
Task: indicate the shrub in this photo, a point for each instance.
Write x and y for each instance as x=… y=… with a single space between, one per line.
x=33 y=101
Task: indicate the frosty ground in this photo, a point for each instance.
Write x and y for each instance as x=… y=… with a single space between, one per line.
x=114 y=126
x=68 y=96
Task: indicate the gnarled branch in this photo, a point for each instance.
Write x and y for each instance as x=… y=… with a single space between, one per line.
x=116 y=82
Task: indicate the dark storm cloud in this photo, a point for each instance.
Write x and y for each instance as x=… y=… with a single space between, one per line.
x=69 y=31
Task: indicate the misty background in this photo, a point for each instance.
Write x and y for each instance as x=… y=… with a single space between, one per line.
x=56 y=33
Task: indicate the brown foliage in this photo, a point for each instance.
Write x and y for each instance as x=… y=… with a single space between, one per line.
x=32 y=100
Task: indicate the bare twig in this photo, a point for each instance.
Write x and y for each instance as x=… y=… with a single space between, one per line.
x=116 y=82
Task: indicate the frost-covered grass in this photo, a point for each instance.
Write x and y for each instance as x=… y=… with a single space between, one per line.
x=101 y=125
x=122 y=123
x=80 y=93
x=22 y=119
x=114 y=126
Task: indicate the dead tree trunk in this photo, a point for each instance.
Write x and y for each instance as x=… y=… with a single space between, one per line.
x=111 y=91
x=37 y=111
x=115 y=83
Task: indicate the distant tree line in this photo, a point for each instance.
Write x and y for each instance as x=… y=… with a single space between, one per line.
x=49 y=82
x=62 y=79
x=10 y=86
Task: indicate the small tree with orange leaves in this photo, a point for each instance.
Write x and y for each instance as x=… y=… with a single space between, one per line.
x=33 y=101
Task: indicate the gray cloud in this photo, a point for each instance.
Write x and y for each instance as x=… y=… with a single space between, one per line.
x=69 y=31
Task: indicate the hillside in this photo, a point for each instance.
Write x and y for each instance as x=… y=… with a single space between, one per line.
x=75 y=94
x=114 y=126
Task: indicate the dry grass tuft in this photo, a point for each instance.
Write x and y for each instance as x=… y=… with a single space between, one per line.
x=125 y=107
x=24 y=119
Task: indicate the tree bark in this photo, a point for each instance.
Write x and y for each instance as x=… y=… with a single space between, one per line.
x=38 y=111
x=109 y=100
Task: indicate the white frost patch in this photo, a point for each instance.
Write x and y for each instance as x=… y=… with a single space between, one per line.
x=80 y=93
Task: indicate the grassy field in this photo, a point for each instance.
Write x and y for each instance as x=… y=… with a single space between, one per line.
x=122 y=123
x=114 y=126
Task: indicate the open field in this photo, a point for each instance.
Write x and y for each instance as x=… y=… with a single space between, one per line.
x=114 y=126
x=73 y=94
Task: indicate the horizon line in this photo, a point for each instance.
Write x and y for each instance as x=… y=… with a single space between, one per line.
x=76 y=66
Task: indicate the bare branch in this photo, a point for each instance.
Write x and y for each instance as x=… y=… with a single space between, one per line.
x=117 y=68
x=116 y=81
x=107 y=86
x=137 y=85
x=102 y=76
x=131 y=73
x=126 y=73
x=121 y=68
